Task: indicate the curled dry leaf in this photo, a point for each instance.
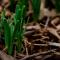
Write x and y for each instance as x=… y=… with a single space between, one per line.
x=55 y=21
x=54 y=32
x=6 y=3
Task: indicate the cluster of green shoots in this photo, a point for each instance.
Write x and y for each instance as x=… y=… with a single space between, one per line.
x=14 y=31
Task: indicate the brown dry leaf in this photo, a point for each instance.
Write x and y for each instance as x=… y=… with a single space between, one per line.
x=58 y=27
x=54 y=32
x=4 y=56
x=55 y=21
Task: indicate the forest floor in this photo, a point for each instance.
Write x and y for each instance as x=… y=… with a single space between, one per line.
x=41 y=40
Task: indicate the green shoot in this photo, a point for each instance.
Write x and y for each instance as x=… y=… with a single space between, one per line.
x=36 y=8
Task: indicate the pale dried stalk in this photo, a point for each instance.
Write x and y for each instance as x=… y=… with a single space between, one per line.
x=26 y=46
x=42 y=9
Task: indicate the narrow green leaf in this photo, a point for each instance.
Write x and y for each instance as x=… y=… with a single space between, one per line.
x=8 y=38
x=18 y=31
x=36 y=8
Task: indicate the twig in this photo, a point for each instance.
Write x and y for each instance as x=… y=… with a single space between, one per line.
x=21 y=55
x=36 y=54
x=47 y=43
x=37 y=44
x=28 y=32
x=46 y=25
x=57 y=53
x=36 y=35
x=36 y=27
x=38 y=57
x=46 y=57
x=39 y=40
x=40 y=44
x=54 y=44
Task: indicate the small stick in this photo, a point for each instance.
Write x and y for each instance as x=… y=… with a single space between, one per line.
x=40 y=44
x=28 y=32
x=46 y=25
x=36 y=54
x=21 y=55
x=39 y=40
x=54 y=44
x=46 y=57
x=26 y=47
